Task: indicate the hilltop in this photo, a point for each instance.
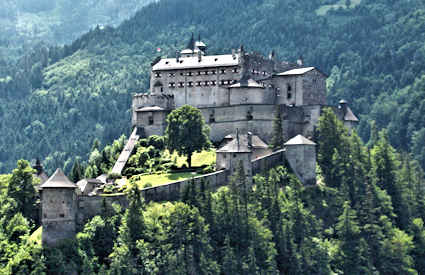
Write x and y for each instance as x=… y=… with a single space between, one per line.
x=55 y=102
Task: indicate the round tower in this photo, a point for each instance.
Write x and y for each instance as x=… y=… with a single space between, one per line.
x=58 y=209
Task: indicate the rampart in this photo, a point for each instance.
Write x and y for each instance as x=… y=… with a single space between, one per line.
x=263 y=164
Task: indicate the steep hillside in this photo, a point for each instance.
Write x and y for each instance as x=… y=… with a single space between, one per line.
x=55 y=102
x=24 y=23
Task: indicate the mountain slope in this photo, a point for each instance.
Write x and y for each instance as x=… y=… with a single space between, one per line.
x=372 y=51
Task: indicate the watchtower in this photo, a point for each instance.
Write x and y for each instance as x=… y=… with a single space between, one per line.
x=301 y=155
x=58 y=209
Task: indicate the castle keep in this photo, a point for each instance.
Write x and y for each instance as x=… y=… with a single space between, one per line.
x=239 y=90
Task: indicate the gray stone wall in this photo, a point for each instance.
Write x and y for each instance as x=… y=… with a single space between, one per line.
x=239 y=96
x=90 y=206
x=152 y=123
x=302 y=159
x=58 y=214
x=287 y=88
x=263 y=164
x=173 y=191
x=314 y=88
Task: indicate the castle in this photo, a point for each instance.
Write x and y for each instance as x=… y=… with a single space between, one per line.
x=240 y=95
x=239 y=90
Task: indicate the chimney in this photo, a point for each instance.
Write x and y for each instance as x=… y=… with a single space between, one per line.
x=300 y=61
x=249 y=135
x=233 y=54
x=177 y=56
x=199 y=55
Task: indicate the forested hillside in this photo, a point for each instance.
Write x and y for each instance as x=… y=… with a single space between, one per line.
x=57 y=100
x=364 y=217
x=25 y=23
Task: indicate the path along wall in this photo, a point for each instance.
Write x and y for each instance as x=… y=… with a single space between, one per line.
x=90 y=206
x=265 y=163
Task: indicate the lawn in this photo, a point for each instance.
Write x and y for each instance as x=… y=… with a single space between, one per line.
x=36 y=235
x=159 y=179
x=198 y=159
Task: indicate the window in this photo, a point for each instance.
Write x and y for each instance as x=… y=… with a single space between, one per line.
x=172 y=85
x=62 y=215
x=198 y=83
x=207 y=83
x=181 y=84
x=249 y=116
x=222 y=71
x=190 y=73
x=289 y=95
x=214 y=72
x=289 y=87
x=150 y=120
x=199 y=72
x=181 y=74
x=162 y=89
x=212 y=118
x=157 y=74
x=171 y=74
x=213 y=83
x=190 y=84
x=235 y=70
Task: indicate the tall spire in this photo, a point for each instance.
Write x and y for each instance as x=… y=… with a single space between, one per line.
x=199 y=36
x=191 y=44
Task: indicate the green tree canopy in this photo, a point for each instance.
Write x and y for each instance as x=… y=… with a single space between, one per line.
x=186 y=132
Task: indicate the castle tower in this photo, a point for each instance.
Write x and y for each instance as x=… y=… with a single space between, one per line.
x=301 y=155
x=58 y=209
x=233 y=153
x=348 y=117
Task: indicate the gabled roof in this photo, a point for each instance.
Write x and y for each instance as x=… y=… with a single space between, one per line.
x=350 y=116
x=298 y=71
x=299 y=140
x=192 y=62
x=58 y=180
x=236 y=145
x=251 y=83
x=242 y=145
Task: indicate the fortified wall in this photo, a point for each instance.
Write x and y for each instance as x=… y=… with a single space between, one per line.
x=240 y=95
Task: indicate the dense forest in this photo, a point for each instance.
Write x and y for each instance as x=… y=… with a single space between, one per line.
x=55 y=101
x=366 y=216
x=25 y=24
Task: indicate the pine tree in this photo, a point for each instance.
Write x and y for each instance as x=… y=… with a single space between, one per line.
x=352 y=249
x=21 y=189
x=277 y=138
